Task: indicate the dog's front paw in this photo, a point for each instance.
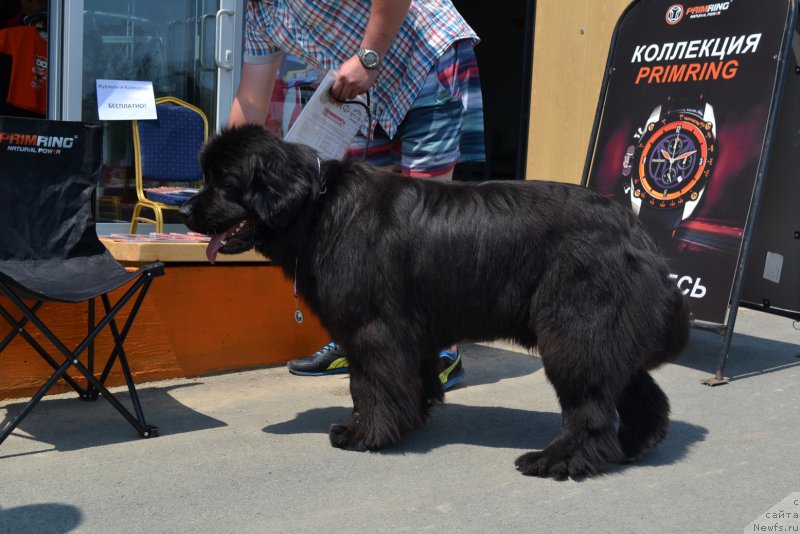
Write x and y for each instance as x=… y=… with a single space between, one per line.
x=344 y=437
x=539 y=464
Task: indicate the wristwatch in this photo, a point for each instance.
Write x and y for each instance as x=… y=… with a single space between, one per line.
x=370 y=59
x=666 y=169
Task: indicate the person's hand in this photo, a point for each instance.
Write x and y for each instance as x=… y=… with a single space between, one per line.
x=353 y=79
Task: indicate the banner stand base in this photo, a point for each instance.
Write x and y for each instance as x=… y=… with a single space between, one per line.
x=715 y=381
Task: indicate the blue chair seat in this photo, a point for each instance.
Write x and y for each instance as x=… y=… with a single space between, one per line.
x=171 y=198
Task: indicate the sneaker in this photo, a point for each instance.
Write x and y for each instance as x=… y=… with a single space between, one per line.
x=454 y=372
x=329 y=360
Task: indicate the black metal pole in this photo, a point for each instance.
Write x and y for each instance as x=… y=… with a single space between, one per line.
x=750 y=225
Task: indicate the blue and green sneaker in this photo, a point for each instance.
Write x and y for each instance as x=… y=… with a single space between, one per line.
x=330 y=360
x=453 y=372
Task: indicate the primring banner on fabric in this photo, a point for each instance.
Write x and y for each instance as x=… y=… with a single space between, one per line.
x=43 y=163
x=688 y=98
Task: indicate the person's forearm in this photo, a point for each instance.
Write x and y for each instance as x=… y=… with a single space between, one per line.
x=252 y=100
x=385 y=20
x=244 y=112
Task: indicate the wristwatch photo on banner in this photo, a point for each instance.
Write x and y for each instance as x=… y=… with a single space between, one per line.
x=666 y=170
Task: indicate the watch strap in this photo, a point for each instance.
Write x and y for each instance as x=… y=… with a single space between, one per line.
x=661 y=223
x=694 y=106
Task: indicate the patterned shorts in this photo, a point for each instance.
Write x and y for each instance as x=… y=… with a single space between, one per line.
x=443 y=126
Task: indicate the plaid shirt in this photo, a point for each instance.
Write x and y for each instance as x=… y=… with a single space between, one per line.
x=326 y=33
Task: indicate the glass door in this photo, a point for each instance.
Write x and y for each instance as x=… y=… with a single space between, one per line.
x=189 y=49
x=178 y=45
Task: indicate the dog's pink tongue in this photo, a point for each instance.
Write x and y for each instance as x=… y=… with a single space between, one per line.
x=216 y=243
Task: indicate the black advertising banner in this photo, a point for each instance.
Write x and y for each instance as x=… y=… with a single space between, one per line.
x=772 y=283
x=683 y=129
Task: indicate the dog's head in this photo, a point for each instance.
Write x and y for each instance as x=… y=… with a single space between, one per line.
x=252 y=180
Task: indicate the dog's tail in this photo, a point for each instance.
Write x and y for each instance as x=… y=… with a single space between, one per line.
x=676 y=327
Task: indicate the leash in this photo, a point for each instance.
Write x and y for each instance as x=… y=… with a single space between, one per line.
x=298 y=313
x=368 y=107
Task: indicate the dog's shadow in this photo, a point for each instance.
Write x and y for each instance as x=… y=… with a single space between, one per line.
x=486 y=364
x=487 y=426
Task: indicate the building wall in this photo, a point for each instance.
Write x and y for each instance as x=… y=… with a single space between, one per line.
x=571 y=46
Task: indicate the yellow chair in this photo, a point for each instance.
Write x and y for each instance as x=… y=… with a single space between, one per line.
x=166 y=150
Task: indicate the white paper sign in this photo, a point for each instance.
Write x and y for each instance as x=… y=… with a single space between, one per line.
x=122 y=100
x=773 y=267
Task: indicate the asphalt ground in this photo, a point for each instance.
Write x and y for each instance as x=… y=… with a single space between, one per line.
x=248 y=452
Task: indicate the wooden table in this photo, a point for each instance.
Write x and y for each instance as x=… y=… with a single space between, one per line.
x=168 y=252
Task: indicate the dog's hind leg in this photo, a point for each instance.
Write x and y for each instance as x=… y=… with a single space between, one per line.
x=587 y=444
x=387 y=391
x=431 y=383
x=643 y=415
x=587 y=389
x=643 y=407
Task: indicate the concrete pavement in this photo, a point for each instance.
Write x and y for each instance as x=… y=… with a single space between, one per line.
x=248 y=452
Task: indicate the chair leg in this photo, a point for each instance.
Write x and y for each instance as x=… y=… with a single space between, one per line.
x=119 y=350
x=120 y=339
x=139 y=288
x=18 y=327
x=159 y=219
x=136 y=217
x=137 y=209
x=9 y=428
x=91 y=392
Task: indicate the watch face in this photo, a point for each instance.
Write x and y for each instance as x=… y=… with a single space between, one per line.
x=673 y=160
x=370 y=59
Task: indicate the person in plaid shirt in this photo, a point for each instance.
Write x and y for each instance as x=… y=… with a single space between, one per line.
x=415 y=60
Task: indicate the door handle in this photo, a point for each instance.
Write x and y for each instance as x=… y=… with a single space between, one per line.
x=223 y=59
x=202 y=44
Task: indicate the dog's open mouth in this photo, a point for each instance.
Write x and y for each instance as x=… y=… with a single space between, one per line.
x=238 y=238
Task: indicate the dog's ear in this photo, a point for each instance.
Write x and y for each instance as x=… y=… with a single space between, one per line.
x=282 y=179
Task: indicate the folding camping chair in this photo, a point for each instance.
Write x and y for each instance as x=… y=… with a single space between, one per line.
x=166 y=150
x=49 y=251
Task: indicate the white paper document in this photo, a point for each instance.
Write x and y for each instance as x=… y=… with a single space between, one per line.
x=327 y=125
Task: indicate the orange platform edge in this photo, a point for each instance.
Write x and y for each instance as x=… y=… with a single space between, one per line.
x=198 y=319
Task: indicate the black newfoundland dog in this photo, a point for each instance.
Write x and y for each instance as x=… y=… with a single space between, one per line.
x=398 y=268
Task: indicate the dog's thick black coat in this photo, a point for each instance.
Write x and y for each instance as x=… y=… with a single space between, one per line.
x=398 y=268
